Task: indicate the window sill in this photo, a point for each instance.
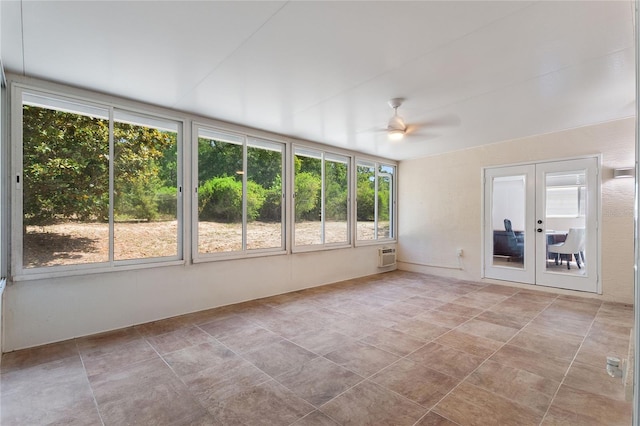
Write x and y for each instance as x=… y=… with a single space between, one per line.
x=379 y=242
x=216 y=257
x=91 y=271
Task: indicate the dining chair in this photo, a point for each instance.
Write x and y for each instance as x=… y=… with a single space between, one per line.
x=573 y=245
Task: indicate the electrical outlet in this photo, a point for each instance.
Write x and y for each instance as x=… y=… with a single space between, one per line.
x=459 y=252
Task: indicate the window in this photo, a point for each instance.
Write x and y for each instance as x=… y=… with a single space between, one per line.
x=95 y=190
x=145 y=195
x=566 y=201
x=98 y=187
x=566 y=194
x=375 y=201
x=239 y=193
x=336 y=198
x=321 y=198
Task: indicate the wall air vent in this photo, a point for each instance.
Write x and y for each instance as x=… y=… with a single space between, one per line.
x=386 y=257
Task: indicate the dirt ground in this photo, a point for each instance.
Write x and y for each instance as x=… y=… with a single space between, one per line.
x=75 y=243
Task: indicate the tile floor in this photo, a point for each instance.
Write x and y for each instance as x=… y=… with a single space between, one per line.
x=396 y=348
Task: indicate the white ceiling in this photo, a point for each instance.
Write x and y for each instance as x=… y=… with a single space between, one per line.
x=472 y=72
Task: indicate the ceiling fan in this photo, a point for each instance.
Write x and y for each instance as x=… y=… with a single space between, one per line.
x=397 y=128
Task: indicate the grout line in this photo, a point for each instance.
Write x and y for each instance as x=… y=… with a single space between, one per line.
x=86 y=376
x=489 y=357
x=571 y=363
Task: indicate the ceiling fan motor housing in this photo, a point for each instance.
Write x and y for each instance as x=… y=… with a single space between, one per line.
x=396 y=123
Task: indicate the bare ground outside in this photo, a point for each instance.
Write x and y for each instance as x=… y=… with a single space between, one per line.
x=73 y=243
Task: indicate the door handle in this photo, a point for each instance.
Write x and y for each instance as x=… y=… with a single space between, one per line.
x=539 y=229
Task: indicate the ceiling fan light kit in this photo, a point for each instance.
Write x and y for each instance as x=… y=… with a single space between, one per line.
x=395 y=134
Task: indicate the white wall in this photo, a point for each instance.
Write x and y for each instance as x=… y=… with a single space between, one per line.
x=440 y=202
x=44 y=311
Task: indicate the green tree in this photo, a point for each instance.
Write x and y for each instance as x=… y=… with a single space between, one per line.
x=307 y=196
x=307 y=187
x=272 y=206
x=66 y=167
x=217 y=159
x=264 y=166
x=220 y=199
x=365 y=196
x=336 y=190
x=383 y=199
x=137 y=169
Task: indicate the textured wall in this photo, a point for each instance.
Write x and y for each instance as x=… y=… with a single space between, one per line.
x=440 y=202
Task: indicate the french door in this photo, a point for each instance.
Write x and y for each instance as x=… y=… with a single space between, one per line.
x=541 y=224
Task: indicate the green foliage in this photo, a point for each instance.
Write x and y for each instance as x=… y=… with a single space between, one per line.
x=336 y=191
x=383 y=199
x=167 y=200
x=366 y=195
x=264 y=166
x=168 y=165
x=220 y=199
x=307 y=199
x=272 y=208
x=216 y=159
x=66 y=167
x=138 y=154
x=137 y=202
x=256 y=195
x=66 y=176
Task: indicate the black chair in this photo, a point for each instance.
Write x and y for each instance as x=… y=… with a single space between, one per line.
x=516 y=243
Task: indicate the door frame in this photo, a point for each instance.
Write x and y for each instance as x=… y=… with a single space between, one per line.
x=598 y=212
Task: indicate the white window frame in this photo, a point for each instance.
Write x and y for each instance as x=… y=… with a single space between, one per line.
x=393 y=202
x=187 y=173
x=18 y=271
x=323 y=156
x=246 y=141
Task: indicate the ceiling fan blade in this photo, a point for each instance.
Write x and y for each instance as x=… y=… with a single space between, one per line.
x=372 y=130
x=447 y=120
x=423 y=136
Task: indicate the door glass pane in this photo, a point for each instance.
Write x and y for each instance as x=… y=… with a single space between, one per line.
x=508 y=219
x=219 y=193
x=565 y=201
